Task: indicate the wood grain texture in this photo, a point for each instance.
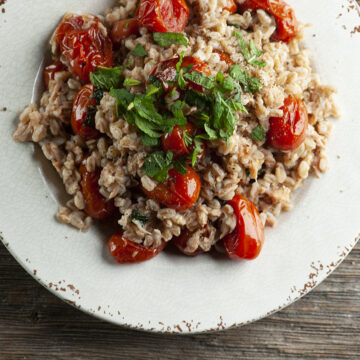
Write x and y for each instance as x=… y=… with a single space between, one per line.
x=34 y=324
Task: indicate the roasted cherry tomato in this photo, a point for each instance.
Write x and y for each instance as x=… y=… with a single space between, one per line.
x=230 y=6
x=180 y=192
x=175 y=141
x=287 y=25
x=224 y=57
x=123 y=29
x=51 y=70
x=85 y=45
x=246 y=241
x=163 y=15
x=96 y=205
x=166 y=72
x=289 y=131
x=181 y=243
x=125 y=251
x=83 y=100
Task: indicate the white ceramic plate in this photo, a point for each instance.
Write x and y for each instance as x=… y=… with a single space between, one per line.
x=174 y=293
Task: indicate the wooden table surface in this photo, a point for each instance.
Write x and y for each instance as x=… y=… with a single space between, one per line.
x=34 y=324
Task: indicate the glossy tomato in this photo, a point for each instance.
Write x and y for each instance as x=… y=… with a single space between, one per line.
x=174 y=142
x=289 y=131
x=180 y=192
x=85 y=44
x=287 y=25
x=163 y=15
x=96 y=205
x=166 y=72
x=51 y=70
x=224 y=57
x=122 y=29
x=246 y=241
x=230 y=6
x=125 y=251
x=80 y=113
x=181 y=243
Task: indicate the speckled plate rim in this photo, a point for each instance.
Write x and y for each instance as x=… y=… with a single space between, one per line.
x=315 y=266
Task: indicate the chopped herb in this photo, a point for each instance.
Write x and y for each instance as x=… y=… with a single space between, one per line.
x=181 y=81
x=90 y=117
x=250 y=84
x=172 y=92
x=149 y=141
x=165 y=39
x=180 y=166
x=207 y=82
x=106 y=78
x=157 y=165
x=98 y=95
x=250 y=52
x=131 y=82
x=198 y=150
x=187 y=138
x=212 y=134
x=179 y=63
x=198 y=99
x=258 y=134
x=139 y=51
x=176 y=109
x=136 y=216
x=152 y=90
x=221 y=201
x=152 y=79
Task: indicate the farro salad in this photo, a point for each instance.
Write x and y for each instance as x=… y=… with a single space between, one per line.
x=186 y=122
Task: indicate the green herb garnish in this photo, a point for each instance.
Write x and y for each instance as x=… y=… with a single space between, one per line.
x=98 y=95
x=207 y=82
x=157 y=165
x=131 y=82
x=249 y=51
x=106 y=78
x=250 y=84
x=165 y=39
x=136 y=216
x=258 y=134
x=180 y=165
x=139 y=51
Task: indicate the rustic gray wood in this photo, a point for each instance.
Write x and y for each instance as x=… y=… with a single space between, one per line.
x=34 y=324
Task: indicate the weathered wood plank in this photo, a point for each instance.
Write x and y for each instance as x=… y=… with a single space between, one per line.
x=34 y=325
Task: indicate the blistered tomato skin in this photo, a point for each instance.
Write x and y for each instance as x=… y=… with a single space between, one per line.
x=123 y=29
x=174 y=142
x=83 y=99
x=51 y=70
x=166 y=72
x=163 y=15
x=180 y=192
x=246 y=241
x=224 y=57
x=85 y=47
x=230 y=6
x=287 y=25
x=125 y=251
x=96 y=206
x=288 y=132
x=181 y=243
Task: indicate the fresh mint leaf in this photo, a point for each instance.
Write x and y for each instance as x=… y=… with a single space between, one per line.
x=249 y=51
x=187 y=138
x=139 y=51
x=220 y=78
x=250 y=84
x=180 y=165
x=207 y=82
x=146 y=127
x=157 y=165
x=98 y=95
x=197 y=150
x=176 y=109
x=179 y=63
x=165 y=39
x=181 y=81
x=152 y=90
x=124 y=99
x=258 y=134
x=212 y=134
x=198 y=99
x=131 y=82
x=237 y=106
x=146 y=109
x=149 y=141
x=136 y=216
x=106 y=78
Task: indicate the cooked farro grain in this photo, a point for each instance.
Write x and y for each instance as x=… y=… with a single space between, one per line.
x=241 y=165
